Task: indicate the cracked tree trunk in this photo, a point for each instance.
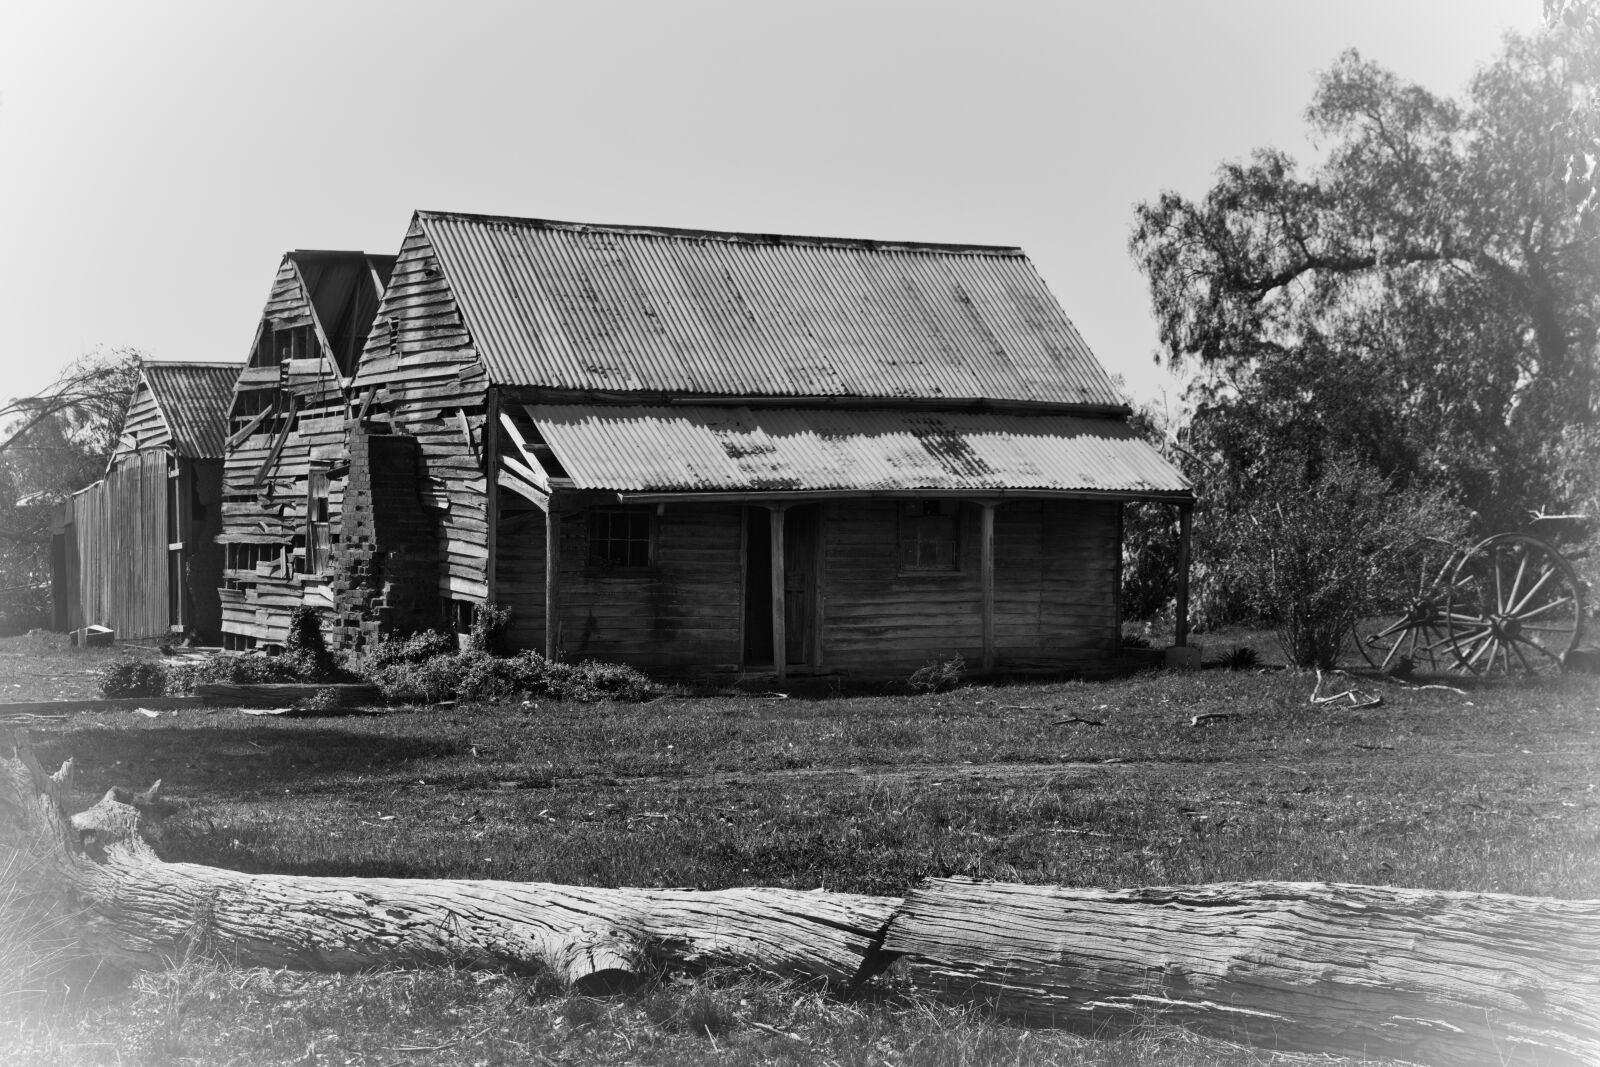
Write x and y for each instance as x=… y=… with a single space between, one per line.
x=1433 y=977
x=1413 y=974
x=135 y=907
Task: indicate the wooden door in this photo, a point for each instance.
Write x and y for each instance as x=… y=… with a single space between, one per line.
x=800 y=555
x=800 y=583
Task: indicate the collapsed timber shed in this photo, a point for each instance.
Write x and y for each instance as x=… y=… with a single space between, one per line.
x=704 y=450
x=135 y=551
x=286 y=424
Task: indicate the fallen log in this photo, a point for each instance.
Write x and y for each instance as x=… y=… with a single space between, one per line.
x=1432 y=977
x=1421 y=975
x=136 y=908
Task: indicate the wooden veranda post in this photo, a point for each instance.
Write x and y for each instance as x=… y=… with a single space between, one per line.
x=780 y=636
x=552 y=583
x=1185 y=537
x=986 y=579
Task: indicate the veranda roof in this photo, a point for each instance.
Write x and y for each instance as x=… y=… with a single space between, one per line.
x=705 y=450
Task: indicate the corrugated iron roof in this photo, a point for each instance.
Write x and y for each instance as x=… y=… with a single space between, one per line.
x=617 y=308
x=194 y=398
x=704 y=449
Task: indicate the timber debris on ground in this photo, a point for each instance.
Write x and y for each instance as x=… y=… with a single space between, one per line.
x=1227 y=959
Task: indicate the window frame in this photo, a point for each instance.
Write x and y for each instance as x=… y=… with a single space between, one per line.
x=912 y=521
x=602 y=568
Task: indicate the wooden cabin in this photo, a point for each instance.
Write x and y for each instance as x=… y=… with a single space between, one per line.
x=282 y=494
x=135 y=551
x=699 y=450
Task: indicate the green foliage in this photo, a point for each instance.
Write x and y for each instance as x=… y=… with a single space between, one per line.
x=233 y=669
x=306 y=650
x=133 y=678
x=412 y=648
x=479 y=677
x=322 y=701
x=1425 y=301
x=1149 y=539
x=488 y=632
x=1241 y=658
x=1314 y=550
x=52 y=445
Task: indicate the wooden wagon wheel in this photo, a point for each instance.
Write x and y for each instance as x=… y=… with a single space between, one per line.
x=1410 y=630
x=1515 y=607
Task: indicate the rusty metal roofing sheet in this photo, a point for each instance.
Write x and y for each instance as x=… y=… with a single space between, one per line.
x=703 y=449
x=572 y=306
x=194 y=398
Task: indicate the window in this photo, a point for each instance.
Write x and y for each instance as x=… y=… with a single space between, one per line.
x=928 y=535
x=241 y=564
x=280 y=345
x=620 y=537
x=319 y=540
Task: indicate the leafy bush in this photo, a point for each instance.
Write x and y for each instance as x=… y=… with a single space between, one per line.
x=323 y=701
x=232 y=669
x=133 y=678
x=488 y=631
x=413 y=648
x=306 y=650
x=477 y=676
x=1243 y=658
x=937 y=677
x=1314 y=554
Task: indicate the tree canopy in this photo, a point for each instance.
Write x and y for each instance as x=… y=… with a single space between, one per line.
x=1425 y=299
x=52 y=445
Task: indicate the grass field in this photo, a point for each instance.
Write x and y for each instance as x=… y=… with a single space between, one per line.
x=1076 y=783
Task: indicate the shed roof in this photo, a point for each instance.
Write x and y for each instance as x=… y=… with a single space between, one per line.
x=646 y=309
x=194 y=398
x=739 y=450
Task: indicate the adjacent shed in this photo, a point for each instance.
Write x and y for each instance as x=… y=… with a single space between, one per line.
x=135 y=551
x=693 y=449
x=285 y=419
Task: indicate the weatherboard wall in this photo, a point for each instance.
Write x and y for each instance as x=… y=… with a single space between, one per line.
x=1054 y=602
x=271 y=520
x=117 y=556
x=420 y=375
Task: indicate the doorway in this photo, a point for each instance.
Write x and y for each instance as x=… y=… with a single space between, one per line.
x=801 y=546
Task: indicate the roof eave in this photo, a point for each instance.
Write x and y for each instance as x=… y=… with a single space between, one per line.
x=802 y=496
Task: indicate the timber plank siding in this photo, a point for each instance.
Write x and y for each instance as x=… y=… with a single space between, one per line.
x=135 y=550
x=426 y=381
x=783 y=409
x=282 y=502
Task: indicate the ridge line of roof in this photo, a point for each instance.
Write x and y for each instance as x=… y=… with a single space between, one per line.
x=731 y=236
x=217 y=364
x=350 y=252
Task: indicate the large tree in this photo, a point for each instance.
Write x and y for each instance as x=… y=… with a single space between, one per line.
x=52 y=444
x=1424 y=300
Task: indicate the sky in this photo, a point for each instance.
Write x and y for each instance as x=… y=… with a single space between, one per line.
x=158 y=158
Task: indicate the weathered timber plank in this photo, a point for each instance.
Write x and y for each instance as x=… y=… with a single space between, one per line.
x=1448 y=978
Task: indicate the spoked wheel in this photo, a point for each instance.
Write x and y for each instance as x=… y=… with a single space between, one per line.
x=1412 y=632
x=1515 y=607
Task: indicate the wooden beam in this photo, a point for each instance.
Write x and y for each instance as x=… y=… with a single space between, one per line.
x=1185 y=551
x=552 y=586
x=780 y=636
x=280 y=441
x=237 y=438
x=491 y=505
x=986 y=580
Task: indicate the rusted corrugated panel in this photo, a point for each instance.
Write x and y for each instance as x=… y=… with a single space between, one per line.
x=194 y=397
x=571 y=306
x=741 y=449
